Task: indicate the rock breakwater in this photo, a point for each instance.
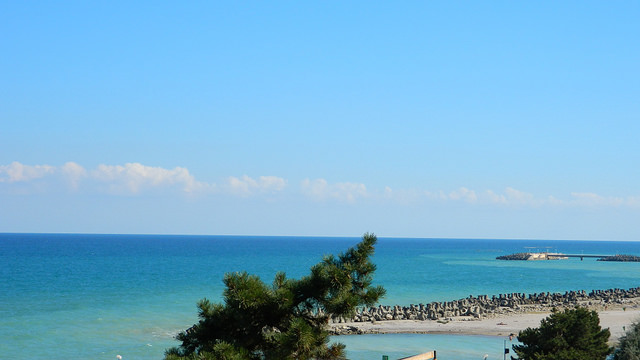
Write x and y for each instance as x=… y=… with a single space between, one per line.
x=483 y=306
x=516 y=256
x=622 y=258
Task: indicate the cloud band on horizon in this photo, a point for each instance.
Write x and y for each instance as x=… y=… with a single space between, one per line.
x=136 y=178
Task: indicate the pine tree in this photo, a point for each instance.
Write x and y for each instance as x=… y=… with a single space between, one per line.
x=629 y=347
x=284 y=320
x=574 y=334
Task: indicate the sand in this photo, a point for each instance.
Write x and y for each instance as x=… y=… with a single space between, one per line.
x=501 y=325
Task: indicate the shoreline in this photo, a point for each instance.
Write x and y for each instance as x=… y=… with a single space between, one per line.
x=617 y=320
x=498 y=316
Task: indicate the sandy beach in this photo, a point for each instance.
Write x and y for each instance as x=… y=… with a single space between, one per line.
x=502 y=325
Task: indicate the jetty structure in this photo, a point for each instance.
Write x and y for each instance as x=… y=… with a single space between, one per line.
x=534 y=256
x=561 y=256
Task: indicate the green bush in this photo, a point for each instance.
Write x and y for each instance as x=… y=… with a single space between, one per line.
x=573 y=334
x=629 y=346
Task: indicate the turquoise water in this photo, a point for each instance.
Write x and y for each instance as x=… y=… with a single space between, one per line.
x=362 y=347
x=97 y=296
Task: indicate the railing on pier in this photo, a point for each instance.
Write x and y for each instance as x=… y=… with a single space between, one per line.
x=582 y=256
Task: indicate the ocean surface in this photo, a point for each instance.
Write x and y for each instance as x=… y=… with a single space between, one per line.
x=98 y=296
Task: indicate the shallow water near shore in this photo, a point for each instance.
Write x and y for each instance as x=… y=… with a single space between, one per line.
x=396 y=346
x=97 y=296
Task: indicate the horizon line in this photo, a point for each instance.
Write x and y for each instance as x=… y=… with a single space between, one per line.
x=306 y=236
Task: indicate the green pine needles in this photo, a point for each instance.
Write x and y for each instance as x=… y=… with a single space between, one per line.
x=284 y=320
x=629 y=347
x=574 y=334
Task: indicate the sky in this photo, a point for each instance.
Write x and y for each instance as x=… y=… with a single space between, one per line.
x=453 y=119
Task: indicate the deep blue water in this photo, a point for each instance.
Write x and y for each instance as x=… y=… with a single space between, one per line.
x=96 y=296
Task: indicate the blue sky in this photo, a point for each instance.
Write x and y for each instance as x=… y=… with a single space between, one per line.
x=421 y=119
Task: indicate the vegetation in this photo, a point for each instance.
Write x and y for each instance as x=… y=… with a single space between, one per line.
x=629 y=347
x=574 y=334
x=284 y=320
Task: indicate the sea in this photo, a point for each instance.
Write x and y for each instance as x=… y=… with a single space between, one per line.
x=92 y=296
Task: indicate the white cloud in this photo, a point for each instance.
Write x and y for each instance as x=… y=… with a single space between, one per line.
x=400 y=196
x=512 y=196
x=552 y=200
x=128 y=178
x=135 y=178
x=246 y=185
x=320 y=189
x=496 y=198
x=464 y=194
x=593 y=199
x=74 y=173
x=17 y=172
x=633 y=201
x=520 y=197
x=132 y=177
x=437 y=195
x=509 y=197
